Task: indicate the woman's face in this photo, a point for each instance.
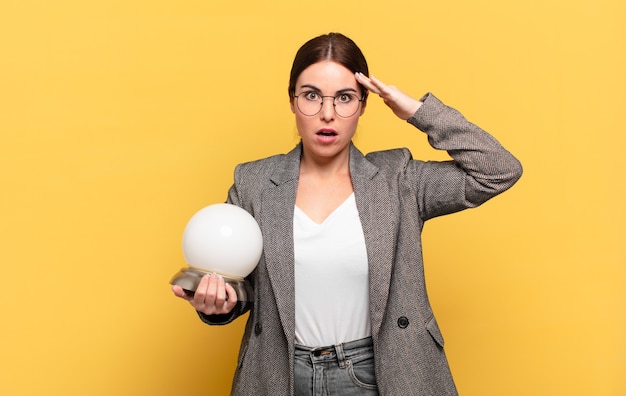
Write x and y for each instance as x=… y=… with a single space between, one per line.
x=326 y=135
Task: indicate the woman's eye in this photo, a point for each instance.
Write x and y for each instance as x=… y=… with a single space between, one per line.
x=311 y=95
x=344 y=98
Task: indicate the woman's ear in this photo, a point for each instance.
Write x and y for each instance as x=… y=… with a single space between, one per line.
x=364 y=95
x=292 y=104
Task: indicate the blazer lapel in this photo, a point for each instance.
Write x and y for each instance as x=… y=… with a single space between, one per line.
x=278 y=203
x=378 y=219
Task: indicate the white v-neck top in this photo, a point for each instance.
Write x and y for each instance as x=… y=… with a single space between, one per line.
x=331 y=278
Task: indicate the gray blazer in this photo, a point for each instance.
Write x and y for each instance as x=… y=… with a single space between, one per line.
x=395 y=195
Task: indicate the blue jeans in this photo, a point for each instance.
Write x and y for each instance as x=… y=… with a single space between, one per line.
x=343 y=370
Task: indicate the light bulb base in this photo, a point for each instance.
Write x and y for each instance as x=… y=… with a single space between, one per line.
x=189 y=278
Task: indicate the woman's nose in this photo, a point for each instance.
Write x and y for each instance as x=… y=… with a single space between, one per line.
x=328 y=108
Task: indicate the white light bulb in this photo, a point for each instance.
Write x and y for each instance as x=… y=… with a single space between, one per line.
x=224 y=239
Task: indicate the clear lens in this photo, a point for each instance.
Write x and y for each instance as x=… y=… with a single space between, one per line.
x=345 y=104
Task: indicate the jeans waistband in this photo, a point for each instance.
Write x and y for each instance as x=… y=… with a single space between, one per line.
x=346 y=346
x=339 y=352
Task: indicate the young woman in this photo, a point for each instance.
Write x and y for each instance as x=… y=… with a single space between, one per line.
x=340 y=304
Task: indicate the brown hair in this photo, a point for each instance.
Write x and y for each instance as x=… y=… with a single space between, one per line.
x=334 y=47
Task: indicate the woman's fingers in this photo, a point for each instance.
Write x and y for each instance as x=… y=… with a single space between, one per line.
x=180 y=292
x=382 y=89
x=202 y=291
x=367 y=83
x=231 y=299
x=374 y=85
x=403 y=105
x=212 y=296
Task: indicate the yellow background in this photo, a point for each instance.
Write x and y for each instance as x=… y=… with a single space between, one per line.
x=120 y=119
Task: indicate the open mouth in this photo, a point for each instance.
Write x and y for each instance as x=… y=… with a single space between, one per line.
x=326 y=132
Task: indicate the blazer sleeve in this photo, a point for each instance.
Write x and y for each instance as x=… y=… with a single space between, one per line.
x=480 y=168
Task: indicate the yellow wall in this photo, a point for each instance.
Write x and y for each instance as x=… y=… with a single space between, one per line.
x=120 y=119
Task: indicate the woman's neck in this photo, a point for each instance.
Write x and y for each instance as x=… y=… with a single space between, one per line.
x=323 y=185
x=325 y=166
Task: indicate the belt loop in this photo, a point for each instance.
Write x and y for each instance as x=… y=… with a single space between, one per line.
x=341 y=357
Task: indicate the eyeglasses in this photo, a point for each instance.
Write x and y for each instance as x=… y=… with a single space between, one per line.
x=345 y=104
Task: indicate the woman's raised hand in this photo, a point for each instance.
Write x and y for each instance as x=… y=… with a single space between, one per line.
x=403 y=105
x=213 y=296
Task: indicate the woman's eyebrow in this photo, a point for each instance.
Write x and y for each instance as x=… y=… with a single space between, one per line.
x=347 y=90
x=314 y=88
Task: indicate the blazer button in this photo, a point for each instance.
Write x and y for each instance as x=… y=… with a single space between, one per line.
x=257 y=328
x=403 y=322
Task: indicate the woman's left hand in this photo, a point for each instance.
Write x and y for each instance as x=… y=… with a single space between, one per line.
x=403 y=105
